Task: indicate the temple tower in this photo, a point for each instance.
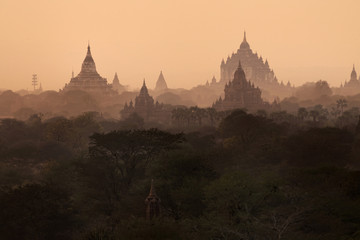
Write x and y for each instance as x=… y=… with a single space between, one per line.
x=161 y=83
x=116 y=84
x=89 y=79
x=152 y=203
x=353 y=82
x=239 y=93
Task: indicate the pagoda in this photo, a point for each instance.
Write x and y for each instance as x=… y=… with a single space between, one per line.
x=161 y=83
x=152 y=202
x=239 y=93
x=116 y=85
x=145 y=107
x=256 y=70
x=89 y=79
x=353 y=82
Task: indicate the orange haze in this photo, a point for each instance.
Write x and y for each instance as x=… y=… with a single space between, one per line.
x=303 y=40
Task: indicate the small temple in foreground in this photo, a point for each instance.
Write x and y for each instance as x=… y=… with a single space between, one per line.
x=240 y=93
x=152 y=202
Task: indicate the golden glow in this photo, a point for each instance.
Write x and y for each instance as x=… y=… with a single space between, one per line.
x=303 y=40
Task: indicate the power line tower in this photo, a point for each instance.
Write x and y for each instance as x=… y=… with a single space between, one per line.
x=34 y=81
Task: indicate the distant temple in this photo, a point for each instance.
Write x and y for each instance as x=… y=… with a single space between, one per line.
x=353 y=82
x=146 y=108
x=161 y=83
x=256 y=70
x=351 y=86
x=152 y=203
x=116 y=85
x=239 y=93
x=89 y=79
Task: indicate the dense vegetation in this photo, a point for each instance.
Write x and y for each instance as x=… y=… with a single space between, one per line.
x=233 y=176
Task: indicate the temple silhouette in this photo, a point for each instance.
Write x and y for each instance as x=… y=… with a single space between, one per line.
x=146 y=108
x=161 y=83
x=239 y=93
x=152 y=202
x=352 y=86
x=89 y=79
x=116 y=85
x=256 y=70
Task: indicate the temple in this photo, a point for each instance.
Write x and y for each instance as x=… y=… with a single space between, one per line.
x=146 y=108
x=350 y=87
x=116 y=85
x=240 y=93
x=89 y=79
x=152 y=202
x=256 y=70
x=353 y=82
x=161 y=83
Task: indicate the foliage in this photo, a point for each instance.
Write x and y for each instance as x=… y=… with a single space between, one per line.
x=231 y=175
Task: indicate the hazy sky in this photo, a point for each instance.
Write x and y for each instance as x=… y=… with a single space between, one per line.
x=303 y=40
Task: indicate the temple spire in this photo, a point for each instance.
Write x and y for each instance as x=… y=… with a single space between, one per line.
x=244 y=45
x=152 y=203
x=240 y=67
x=152 y=189
x=88 y=50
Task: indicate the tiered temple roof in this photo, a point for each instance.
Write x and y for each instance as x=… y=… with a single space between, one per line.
x=89 y=79
x=239 y=93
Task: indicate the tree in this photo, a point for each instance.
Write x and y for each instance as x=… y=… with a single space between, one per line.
x=302 y=113
x=134 y=121
x=198 y=114
x=341 y=104
x=211 y=113
x=118 y=157
x=322 y=88
x=246 y=128
x=59 y=129
x=36 y=211
x=320 y=147
x=314 y=114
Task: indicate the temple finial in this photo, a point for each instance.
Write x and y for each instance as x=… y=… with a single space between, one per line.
x=244 y=36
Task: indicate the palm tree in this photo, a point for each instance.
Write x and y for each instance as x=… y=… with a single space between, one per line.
x=341 y=103
x=261 y=113
x=314 y=114
x=335 y=112
x=211 y=113
x=198 y=114
x=302 y=113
